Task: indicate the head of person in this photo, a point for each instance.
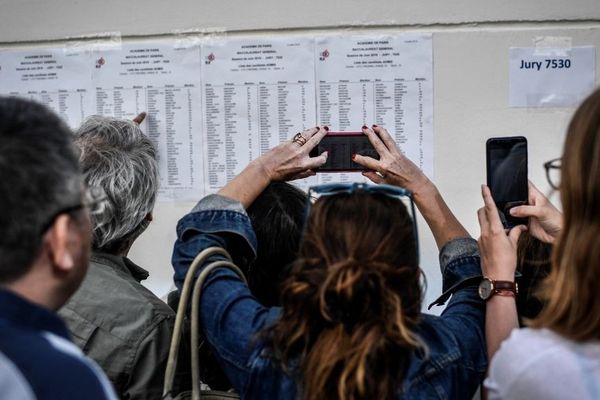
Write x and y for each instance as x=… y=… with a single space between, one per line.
x=119 y=158
x=45 y=230
x=352 y=300
x=571 y=291
x=277 y=217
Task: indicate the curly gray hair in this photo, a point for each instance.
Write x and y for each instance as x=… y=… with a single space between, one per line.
x=118 y=157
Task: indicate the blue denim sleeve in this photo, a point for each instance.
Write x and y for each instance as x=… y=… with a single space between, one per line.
x=464 y=315
x=230 y=316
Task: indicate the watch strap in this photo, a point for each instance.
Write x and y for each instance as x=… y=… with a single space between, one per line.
x=505 y=286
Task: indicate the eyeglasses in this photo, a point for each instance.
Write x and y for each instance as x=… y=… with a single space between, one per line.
x=94 y=199
x=553 y=172
x=332 y=189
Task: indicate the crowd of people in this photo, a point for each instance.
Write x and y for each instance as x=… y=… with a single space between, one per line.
x=332 y=307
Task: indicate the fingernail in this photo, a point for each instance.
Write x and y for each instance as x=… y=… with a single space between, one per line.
x=353 y=156
x=374 y=126
x=365 y=127
x=326 y=128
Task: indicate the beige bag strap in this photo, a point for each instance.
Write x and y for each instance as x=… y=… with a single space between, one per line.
x=195 y=315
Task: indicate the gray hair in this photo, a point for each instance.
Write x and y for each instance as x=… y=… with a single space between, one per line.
x=117 y=156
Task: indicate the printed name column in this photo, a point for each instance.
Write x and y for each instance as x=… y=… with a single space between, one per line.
x=162 y=80
x=257 y=93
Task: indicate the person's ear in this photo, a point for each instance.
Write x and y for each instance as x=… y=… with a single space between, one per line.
x=59 y=242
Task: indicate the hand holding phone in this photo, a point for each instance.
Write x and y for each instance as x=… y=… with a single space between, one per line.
x=340 y=147
x=507 y=175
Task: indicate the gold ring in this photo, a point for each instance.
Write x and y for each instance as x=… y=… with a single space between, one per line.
x=299 y=139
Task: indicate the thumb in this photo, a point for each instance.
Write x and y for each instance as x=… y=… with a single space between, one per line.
x=525 y=211
x=515 y=233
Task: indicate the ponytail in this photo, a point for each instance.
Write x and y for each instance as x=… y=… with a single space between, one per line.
x=353 y=334
x=367 y=323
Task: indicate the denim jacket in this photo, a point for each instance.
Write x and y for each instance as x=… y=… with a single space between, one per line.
x=231 y=317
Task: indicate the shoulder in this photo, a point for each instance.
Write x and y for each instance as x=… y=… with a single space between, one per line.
x=54 y=367
x=538 y=363
x=112 y=317
x=117 y=303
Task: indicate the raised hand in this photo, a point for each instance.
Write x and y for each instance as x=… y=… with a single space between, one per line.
x=393 y=167
x=545 y=221
x=291 y=160
x=498 y=249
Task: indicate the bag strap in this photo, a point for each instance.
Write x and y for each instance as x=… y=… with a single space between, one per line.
x=195 y=329
x=195 y=332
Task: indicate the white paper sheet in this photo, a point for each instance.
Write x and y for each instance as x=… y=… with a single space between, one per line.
x=551 y=77
x=384 y=80
x=257 y=93
x=164 y=81
x=59 y=78
x=214 y=109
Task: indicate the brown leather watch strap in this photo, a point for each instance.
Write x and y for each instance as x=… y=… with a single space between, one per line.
x=505 y=286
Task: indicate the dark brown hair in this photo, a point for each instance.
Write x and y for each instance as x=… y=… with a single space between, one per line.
x=534 y=262
x=352 y=300
x=571 y=290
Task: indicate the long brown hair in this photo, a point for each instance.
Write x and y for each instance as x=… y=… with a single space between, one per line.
x=571 y=290
x=352 y=300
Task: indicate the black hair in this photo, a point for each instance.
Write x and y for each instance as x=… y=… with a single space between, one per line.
x=39 y=175
x=277 y=217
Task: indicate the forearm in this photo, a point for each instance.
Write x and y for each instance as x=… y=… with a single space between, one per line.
x=501 y=318
x=248 y=184
x=442 y=222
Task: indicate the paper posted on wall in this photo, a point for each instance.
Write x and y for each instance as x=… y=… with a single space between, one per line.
x=213 y=107
x=551 y=77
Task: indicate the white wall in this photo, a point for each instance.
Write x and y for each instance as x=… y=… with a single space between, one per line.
x=470 y=50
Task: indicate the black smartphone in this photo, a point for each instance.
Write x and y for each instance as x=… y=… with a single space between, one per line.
x=507 y=175
x=341 y=146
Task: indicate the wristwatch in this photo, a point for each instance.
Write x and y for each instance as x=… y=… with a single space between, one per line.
x=489 y=287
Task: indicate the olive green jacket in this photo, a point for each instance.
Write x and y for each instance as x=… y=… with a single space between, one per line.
x=121 y=325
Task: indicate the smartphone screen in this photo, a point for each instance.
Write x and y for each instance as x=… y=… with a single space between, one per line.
x=507 y=175
x=341 y=146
